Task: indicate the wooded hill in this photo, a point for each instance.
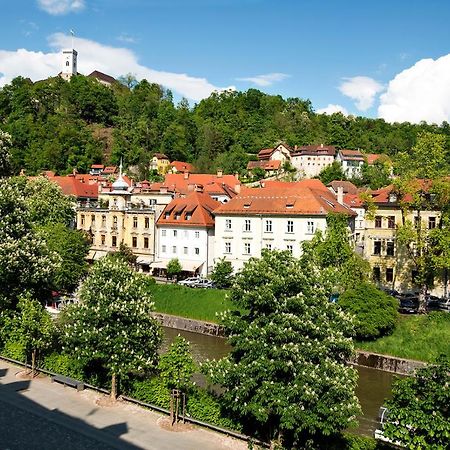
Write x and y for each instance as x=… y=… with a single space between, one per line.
x=58 y=125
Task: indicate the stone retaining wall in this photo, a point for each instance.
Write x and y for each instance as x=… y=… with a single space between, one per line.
x=366 y=359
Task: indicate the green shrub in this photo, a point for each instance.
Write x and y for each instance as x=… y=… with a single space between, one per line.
x=204 y=406
x=64 y=365
x=14 y=350
x=152 y=390
x=375 y=312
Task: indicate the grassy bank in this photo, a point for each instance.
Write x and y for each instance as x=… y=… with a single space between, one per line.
x=418 y=337
x=200 y=304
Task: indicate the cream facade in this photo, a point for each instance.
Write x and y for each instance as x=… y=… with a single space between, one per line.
x=311 y=164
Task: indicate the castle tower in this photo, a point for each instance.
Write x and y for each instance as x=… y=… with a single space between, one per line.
x=69 y=64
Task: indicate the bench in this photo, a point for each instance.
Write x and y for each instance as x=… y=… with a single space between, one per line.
x=67 y=381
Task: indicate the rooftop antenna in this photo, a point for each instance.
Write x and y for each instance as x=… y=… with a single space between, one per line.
x=73 y=34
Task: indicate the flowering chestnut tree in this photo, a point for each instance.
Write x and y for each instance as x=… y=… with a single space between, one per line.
x=5 y=154
x=112 y=324
x=286 y=374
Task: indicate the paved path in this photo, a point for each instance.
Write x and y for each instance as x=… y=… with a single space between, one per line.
x=40 y=415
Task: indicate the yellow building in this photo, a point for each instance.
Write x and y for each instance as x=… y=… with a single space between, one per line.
x=161 y=163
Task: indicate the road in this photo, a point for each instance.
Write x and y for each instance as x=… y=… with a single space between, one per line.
x=40 y=415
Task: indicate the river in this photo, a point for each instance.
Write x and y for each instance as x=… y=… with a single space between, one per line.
x=373 y=385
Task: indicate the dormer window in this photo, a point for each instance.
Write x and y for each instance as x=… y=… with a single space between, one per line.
x=392 y=197
x=188 y=216
x=177 y=216
x=166 y=215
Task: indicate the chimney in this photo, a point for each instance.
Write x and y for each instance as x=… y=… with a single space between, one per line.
x=199 y=188
x=321 y=145
x=163 y=189
x=236 y=175
x=295 y=147
x=219 y=173
x=237 y=188
x=340 y=195
x=191 y=187
x=186 y=175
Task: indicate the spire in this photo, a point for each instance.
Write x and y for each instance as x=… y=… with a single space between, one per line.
x=120 y=184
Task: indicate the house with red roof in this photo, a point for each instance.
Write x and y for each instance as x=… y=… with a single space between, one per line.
x=185 y=230
x=281 y=152
x=271 y=167
x=280 y=216
x=310 y=160
x=181 y=167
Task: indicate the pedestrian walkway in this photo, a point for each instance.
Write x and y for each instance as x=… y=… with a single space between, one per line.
x=42 y=415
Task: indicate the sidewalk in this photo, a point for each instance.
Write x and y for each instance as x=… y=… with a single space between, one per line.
x=42 y=415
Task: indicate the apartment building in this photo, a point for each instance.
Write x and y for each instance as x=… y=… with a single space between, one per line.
x=310 y=160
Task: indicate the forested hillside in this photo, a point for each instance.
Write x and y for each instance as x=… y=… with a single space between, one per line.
x=58 y=125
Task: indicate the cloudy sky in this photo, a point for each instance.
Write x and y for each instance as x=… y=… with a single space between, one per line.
x=383 y=58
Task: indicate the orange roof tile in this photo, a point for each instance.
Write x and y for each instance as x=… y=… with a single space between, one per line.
x=349 y=187
x=71 y=185
x=351 y=154
x=181 y=166
x=183 y=184
x=193 y=210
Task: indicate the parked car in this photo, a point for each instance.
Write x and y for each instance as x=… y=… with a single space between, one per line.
x=204 y=283
x=433 y=303
x=408 y=304
x=444 y=304
x=391 y=292
x=189 y=281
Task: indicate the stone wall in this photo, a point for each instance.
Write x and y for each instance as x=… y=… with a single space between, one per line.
x=194 y=326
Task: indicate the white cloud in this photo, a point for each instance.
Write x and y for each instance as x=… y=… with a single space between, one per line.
x=331 y=109
x=59 y=7
x=266 y=79
x=421 y=92
x=124 y=37
x=95 y=56
x=361 y=89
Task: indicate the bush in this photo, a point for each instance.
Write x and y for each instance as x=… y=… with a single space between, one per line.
x=222 y=274
x=152 y=390
x=14 y=350
x=63 y=364
x=375 y=311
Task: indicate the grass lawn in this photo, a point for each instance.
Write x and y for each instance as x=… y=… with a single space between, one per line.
x=415 y=337
x=201 y=304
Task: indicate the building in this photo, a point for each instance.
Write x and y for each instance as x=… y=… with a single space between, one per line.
x=281 y=152
x=279 y=217
x=103 y=78
x=271 y=167
x=310 y=160
x=351 y=162
x=160 y=163
x=181 y=167
x=185 y=230
x=69 y=67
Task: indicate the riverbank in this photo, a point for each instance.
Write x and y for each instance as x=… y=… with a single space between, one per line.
x=416 y=337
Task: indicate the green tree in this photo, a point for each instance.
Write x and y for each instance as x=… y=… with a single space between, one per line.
x=222 y=275
x=5 y=154
x=173 y=268
x=125 y=253
x=378 y=174
x=177 y=366
x=286 y=374
x=32 y=327
x=112 y=324
x=332 y=173
x=419 y=416
x=72 y=246
x=375 y=312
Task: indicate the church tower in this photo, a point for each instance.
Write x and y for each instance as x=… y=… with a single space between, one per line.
x=69 y=64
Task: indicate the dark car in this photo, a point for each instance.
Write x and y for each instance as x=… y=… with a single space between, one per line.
x=409 y=305
x=444 y=304
x=433 y=303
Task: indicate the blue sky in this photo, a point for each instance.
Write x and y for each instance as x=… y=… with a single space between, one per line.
x=343 y=53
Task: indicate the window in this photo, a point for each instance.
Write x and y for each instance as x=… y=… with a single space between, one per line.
x=197 y=251
x=93 y=219
x=247 y=225
x=290 y=248
x=227 y=247
x=175 y=233
x=177 y=216
x=227 y=224
x=417 y=221
x=67 y=64
x=135 y=222
x=114 y=222
x=114 y=241
x=376 y=274
x=147 y=222
x=174 y=249
x=431 y=223
x=166 y=215
x=134 y=241
x=377 y=248
x=290 y=226
x=390 y=249
x=146 y=242
x=269 y=246
x=163 y=232
x=163 y=249
x=268 y=226
x=247 y=249
x=185 y=250
x=197 y=234
x=82 y=219
x=377 y=221
x=391 y=222
x=103 y=239
x=389 y=274
x=188 y=216
x=103 y=221
x=310 y=228
x=186 y=234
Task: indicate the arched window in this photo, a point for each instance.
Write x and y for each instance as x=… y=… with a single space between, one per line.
x=67 y=63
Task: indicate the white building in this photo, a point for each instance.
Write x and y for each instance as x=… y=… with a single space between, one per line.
x=69 y=64
x=185 y=230
x=351 y=162
x=310 y=160
x=281 y=152
x=279 y=217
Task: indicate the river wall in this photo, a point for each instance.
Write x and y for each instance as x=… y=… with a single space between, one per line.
x=362 y=358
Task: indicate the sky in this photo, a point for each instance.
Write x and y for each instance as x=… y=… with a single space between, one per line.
x=375 y=58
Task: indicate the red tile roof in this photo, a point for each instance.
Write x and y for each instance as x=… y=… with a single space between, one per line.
x=314 y=150
x=109 y=170
x=212 y=184
x=351 y=155
x=160 y=156
x=181 y=166
x=297 y=199
x=306 y=183
x=264 y=164
x=102 y=77
x=194 y=210
x=349 y=188
x=71 y=185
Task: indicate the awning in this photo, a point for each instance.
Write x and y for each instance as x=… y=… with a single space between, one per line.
x=91 y=255
x=144 y=260
x=159 y=264
x=190 y=266
x=99 y=254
